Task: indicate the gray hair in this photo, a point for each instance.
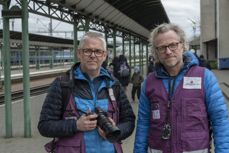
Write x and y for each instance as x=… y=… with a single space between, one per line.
x=165 y=27
x=91 y=34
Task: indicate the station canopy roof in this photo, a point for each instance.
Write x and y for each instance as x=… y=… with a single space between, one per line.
x=139 y=16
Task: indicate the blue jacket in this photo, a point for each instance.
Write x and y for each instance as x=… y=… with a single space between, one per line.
x=215 y=104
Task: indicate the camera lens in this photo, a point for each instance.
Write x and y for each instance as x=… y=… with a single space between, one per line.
x=112 y=132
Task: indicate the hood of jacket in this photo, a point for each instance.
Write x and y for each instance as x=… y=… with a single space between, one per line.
x=76 y=73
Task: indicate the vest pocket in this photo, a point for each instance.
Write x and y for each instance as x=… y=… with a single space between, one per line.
x=195 y=126
x=195 y=140
x=194 y=115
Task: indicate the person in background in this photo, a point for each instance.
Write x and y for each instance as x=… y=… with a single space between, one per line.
x=111 y=68
x=115 y=63
x=151 y=65
x=204 y=62
x=105 y=63
x=136 y=80
x=96 y=103
x=122 y=66
x=181 y=104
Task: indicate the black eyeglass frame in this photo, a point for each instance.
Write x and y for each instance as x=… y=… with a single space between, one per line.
x=89 y=51
x=172 y=47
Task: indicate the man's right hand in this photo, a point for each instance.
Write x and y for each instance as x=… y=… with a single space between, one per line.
x=87 y=122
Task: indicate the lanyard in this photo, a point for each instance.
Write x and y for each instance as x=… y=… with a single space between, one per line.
x=166 y=131
x=171 y=86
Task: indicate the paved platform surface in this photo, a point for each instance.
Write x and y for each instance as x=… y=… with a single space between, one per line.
x=19 y=144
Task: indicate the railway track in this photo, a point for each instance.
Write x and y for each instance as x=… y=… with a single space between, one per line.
x=17 y=95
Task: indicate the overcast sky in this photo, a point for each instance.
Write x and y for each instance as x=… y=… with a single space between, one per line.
x=183 y=12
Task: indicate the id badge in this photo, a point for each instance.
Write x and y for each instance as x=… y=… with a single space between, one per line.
x=155 y=111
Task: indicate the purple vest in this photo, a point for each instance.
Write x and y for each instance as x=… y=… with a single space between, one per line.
x=76 y=144
x=187 y=115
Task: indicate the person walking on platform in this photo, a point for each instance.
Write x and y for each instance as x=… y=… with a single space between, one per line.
x=87 y=111
x=151 y=65
x=122 y=71
x=181 y=104
x=136 y=80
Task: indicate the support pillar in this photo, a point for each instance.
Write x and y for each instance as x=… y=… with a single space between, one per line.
x=75 y=39
x=7 y=73
x=123 y=43
x=134 y=53
x=26 y=75
x=114 y=42
x=130 y=59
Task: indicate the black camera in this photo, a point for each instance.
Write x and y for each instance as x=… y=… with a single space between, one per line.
x=112 y=132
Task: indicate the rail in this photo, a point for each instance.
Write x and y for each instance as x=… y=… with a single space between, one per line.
x=17 y=95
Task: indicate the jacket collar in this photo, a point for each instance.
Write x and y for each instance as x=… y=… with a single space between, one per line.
x=189 y=60
x=78 y=74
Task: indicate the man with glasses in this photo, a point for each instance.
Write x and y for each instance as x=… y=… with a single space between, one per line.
x=87 y=111
x=181 y=104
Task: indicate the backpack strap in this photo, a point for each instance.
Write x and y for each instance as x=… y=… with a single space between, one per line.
x=66 y=89
x=66 y=83
x=113 y=101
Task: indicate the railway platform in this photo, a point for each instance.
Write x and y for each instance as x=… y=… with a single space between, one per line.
x=19 y=144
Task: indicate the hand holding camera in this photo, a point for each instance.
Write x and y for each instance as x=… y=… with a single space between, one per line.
x=106 y=125
x=87 y=122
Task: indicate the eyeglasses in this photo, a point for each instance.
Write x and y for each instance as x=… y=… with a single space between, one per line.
x=89 y=51
x=172 y=47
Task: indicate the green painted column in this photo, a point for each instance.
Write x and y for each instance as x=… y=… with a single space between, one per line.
x=38 y=57
x=1 y=66
x=134 y=53
x=51 y=58
x=26 y=75
x=123 y=44
x=72 y=54
x=130 y=59
x=142 y=60
x=7 y=74
x=20 y=52
x=87 y=22
x=106 y=35
x=114 y=42
x=139 y=55
x=147 y=57
x=147 y=54
x=75 y=41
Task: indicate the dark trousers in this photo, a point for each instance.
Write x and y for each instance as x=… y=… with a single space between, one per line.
x=134 y=90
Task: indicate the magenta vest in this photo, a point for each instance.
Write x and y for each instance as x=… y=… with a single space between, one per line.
x=187 y=116
x=76 y=144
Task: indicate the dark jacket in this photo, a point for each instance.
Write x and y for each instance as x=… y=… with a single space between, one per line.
x=124 y=80
x=151 y=67
x=51 y=123
x=117 y=64
x=205 y=63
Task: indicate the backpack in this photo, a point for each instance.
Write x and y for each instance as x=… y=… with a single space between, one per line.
x=65 y=83
x=124 y=70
